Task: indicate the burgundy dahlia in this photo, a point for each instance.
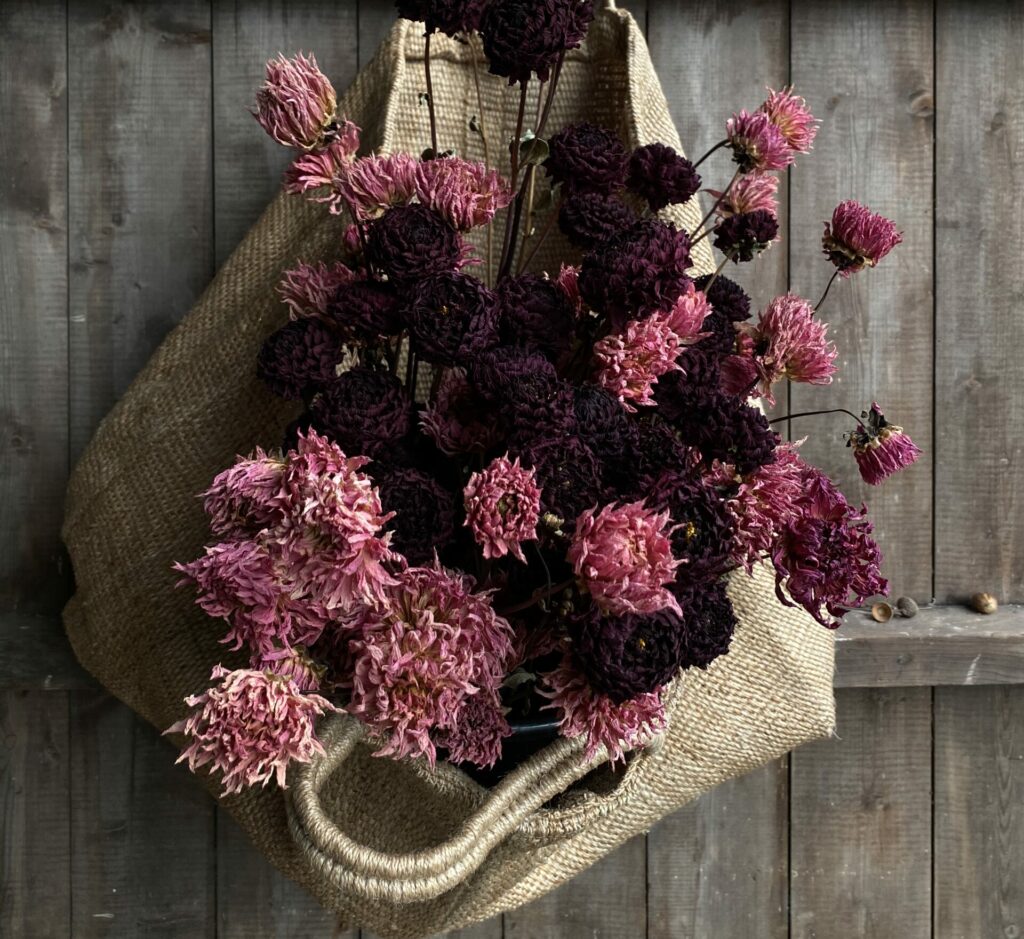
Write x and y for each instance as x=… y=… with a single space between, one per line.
x=605 y=427
x=535 y=316
x=448 y=16
x=708 y=624
x=725 y=296
x=299 y=358
x=568 y=474
x=881 y=448
x=410 y=242
x=587 y=157
x=451 y=316
x=858 y=238
x=661 y=176
x=365 y=310
x=741 y=237
x=658 y=449
x=457 y=419
x=588 y=218
x=424 y=512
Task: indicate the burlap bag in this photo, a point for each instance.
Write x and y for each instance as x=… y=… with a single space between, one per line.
x=395 y=847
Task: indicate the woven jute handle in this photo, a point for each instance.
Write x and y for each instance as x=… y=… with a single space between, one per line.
x=429 y=872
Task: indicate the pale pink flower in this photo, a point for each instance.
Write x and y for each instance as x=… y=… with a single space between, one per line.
x=629 y=364
x=502 y=507
x=757 y=144
x=789 y=112
x=370 y=186
x=568 y=281
x=246 y=497
x=457 y=420
x=688 y=313
x=308 y=289
x=294 y=664
x=858 y=237
x=750 y=193
x=623 y=556
x=250 y=726
x=584 y=711
x=478 y=732
x=315 y=174
x=420 y=655
x=467 y=194
x=296 y=104
x=881 y=448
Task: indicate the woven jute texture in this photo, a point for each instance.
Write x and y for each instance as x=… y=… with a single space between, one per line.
x=395 y=847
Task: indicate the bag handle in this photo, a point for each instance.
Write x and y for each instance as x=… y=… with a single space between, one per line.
x=428 y=872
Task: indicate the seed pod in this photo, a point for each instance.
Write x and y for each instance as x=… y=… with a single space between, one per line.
x=906 y=607
x=881 y=612
x=984 y=603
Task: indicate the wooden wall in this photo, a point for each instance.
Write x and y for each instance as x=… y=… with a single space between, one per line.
x=129 y=169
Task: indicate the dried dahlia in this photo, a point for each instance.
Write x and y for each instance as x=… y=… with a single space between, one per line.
x=466 y=194
x=658 y=448
x=373 y=184
x=423 y=510
x=246 y=497
x=585 y=156
x=315 y=174
x=421 y=655
x=725 y=296
x=661 y=176
x=365 y=310
x=629 y=364
x=789 y=112
x=687 y=314
x=502 y=508
x=587 y=218
x=858 y=238
x=604 y=426
x=250 y=726
x=300 y=358
x=758 y=145
x=881 y=448
x=586 y=712
x=622 y=556
x=448 y=16
x=478 y=734
x=297 y=103
x=451 y=316
x=535 y=316
x=707 y=624
x=568 y=281
x=568 y=474
x=308 y=289
x=741 y=237
x=750 y=193
x=410 y=242
x=457 y=419
x=294 y=665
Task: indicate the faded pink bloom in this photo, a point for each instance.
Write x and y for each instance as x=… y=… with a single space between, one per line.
x=617 y=727
x=467 y=194
x=250 y=726
x=687 y=314
x=478 y=733
x=316 y=174
x=297 y=103
x=503 y=507
x=881 y=448
x=456 y=420
x=291 y=664
x=858 y=238
x=788 y=341
x=246 y=497
x=568 y=280
x=370 y=186
x=750 y=193
x=757 y=144
x=789 y=112
x=623 y=556
x=307 y=289
x=420 y=655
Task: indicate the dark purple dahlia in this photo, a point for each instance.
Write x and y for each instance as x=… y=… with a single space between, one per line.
x=568 y=474
x=701 y=366
x=299 y=358
x=661 y=176
x=410 y=242
x=605 y=427
x=535 y=316
x=424 y=512
x=585 y=156
x=366 y=412
x=526 y=37
x=587 y=218
x=726 y=297
x=708 y=623
x=451 y=316
x=658 y=449
x=365 y=310
x=741 y=237
x=448 y=16
x=636 y=272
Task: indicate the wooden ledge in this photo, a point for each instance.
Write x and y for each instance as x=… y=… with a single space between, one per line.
x=942 y=645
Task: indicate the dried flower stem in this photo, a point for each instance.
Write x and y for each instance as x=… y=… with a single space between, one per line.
x=718 y=202
x=789 y=417
x=508 y=242
x=828 y=287
x=552 y=218
x=717 y=146
x=487 y=154
x=430 y=96
x=704 y=234
x=718 y=270
x=528 y=227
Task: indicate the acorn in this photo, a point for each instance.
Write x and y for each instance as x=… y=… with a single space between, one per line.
x=984 y=603
x=881 y=612
x=906 y=607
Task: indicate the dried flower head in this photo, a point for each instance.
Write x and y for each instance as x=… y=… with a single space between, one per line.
x=587 y=157
x=758 y=145
x=881 y=448
x=449 y=16
x=629 y=364
x=751 y=193
x=741 y=237
x=661 y=176
x=308 y=289
x=502 y=507
x=466 y=194
x=789 y=112
x=296 y=104
x=858 y=238
x=317 y=173
x=373 y=184
x=246 y=497
x=457 y=419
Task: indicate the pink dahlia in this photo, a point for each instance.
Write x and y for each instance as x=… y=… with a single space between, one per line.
x=294 y=665
x=858 y=238
x=296 y=104
x=757 y=143
x=503 y=507
x=457 y=420
x=788 y=341
x=688 y=313
x=316 y=174
x=250 y=726
x=478 y=733
x=372 y=185
x=584 y=711
x=307 y=289
x=750 y=193
x=247 y=497
x=630 y=364
x=881 y=448
x=623 y=556
x=467 y=194
x=420 y=655
x=789 y=112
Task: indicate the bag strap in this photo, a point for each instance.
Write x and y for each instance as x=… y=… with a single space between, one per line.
x=428 y=872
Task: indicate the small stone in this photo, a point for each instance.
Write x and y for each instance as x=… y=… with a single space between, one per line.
x=906 y=607
x=881 y=612
x=984 y=603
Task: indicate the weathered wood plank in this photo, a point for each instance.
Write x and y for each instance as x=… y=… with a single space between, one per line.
x=979 y=382
x=376 y=18
x=33 y=305
x=35 y=654
x=861 y=821
x=35 y=828
x=979 y=812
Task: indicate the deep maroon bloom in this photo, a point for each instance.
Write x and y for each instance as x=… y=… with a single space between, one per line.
x=451 y=316
x=585 y=156
x=410 y=242
x=708 y=624
x=881 y=448
x=661 y=176
x=448 y=16
x=658 y=449
x=625 y=656
x=758 y=145
x=588 y=218
x=858 y=238
x=526 y=37
x=568 y=475
x=535 y=316
x=365 y=309
x=726 y=297
x=743 y=236
x=604 y=426
x=424 y=510
x=299 y=358
x=637 y=272
x=457 y=419
x=365 y=412
x=478 y=732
